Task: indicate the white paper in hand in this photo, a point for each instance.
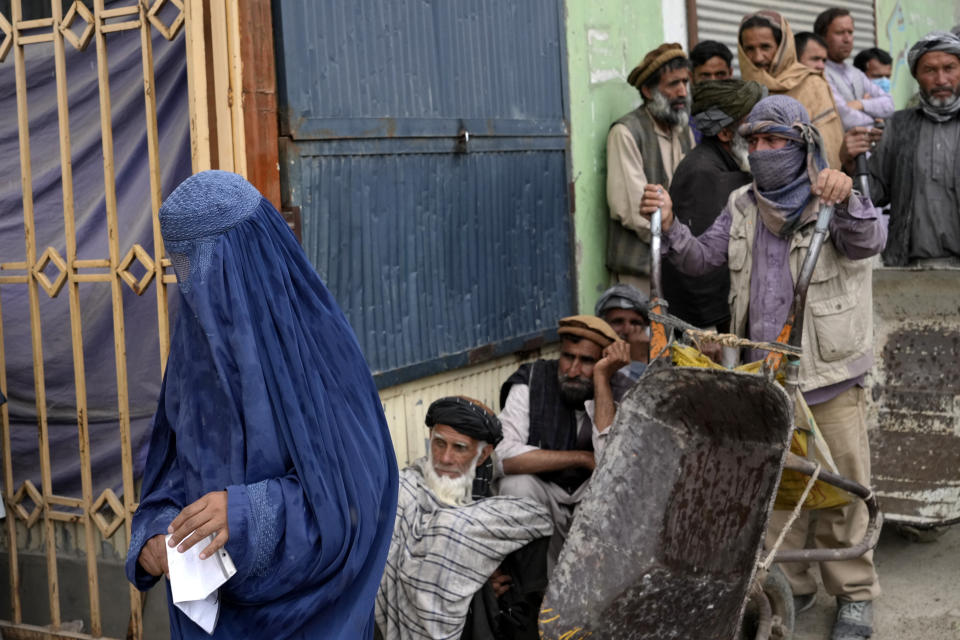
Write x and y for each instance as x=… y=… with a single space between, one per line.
x=195 y=583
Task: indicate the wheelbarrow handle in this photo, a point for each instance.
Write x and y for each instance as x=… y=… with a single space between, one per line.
x=863 y=175
x=870 y=537
x=658 y=331
x=792 y=332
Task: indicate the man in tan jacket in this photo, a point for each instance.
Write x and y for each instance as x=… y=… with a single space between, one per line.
x=768 y=55
x=762 y=236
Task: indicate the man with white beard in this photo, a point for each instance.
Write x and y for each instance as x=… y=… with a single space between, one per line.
x=701 y=185
x=645 y=145
x=461 y=563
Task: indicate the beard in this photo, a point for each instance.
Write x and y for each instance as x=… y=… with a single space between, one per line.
x=674 y=113
x=740 y=152
x=575 y=391
x=941 y=103
x=453 y=492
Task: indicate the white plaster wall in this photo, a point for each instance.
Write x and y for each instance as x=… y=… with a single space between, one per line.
x=675 y=22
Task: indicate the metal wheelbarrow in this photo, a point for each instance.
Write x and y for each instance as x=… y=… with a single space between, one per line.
x=668 y=541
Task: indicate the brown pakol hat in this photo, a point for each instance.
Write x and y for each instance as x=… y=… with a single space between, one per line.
x=653 y=61
x=592 y=328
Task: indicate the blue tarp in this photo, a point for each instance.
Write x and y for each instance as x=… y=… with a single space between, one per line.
x=135 y=226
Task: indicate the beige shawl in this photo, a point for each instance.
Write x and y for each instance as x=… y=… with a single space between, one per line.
x=807 y=86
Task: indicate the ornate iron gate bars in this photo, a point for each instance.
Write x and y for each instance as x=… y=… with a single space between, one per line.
x=17 y=33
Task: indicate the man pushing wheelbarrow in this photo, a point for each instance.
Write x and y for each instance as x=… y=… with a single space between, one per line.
x=706 y=446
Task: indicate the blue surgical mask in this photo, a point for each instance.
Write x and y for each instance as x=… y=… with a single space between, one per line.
x=883 y=83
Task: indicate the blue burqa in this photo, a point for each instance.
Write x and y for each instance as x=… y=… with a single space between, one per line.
x=267 y=396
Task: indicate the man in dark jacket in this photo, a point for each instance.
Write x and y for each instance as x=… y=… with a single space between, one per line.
x=700 y=188
x=556 y=415
x=914 y=168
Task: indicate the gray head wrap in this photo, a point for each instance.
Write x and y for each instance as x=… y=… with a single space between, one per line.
x=782 y=177
x=933 y=41
x=623 y=296
x=936 y=110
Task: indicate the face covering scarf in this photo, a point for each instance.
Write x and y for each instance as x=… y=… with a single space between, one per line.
x=782 y=178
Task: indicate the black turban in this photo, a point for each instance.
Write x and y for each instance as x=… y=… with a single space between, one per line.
x=466 y=417
x=720 y=103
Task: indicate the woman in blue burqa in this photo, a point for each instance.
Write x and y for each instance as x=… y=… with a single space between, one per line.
x=269 y=431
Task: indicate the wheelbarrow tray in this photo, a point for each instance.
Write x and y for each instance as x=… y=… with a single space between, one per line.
x=666 y=539
x=914 y=415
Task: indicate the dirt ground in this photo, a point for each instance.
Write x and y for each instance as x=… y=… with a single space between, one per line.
x=921 y=592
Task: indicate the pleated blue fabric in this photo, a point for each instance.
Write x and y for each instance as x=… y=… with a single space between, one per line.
x=266 y=395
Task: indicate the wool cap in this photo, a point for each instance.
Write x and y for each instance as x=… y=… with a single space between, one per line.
x=592 y=328
x=653 y=61
x=623 y=296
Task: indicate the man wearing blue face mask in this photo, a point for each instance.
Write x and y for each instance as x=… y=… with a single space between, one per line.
x=877 y=65
x=860 y=102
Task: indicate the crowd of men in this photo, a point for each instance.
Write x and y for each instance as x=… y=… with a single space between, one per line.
x=739 y=169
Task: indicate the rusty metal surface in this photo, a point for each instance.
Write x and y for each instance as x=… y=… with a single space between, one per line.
x=914 y=415
x=665 y=543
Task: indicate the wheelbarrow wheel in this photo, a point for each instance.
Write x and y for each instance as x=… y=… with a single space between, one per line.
x=780 y=596
x=921 y=535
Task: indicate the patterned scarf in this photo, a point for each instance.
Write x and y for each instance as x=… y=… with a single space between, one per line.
x=720 y=103
x=782 y=178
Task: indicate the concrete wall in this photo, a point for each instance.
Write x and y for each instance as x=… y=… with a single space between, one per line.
x=900 y=23
x=605 y=40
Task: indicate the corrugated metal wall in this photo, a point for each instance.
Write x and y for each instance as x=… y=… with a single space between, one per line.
x=720 y=19
x=422 y=60
x=425 y=144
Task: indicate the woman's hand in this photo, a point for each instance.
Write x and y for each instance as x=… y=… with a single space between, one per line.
x=153 y=557
x=205 y=516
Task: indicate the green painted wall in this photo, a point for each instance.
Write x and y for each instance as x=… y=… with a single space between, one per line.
x=605 y=40
x=900 y=23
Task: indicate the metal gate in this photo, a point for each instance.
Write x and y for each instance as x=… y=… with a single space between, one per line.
x=58 y=270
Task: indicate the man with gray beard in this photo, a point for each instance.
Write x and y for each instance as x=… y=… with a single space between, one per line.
x=701 y=185
x=645 y=145
x=555 y=416
x=462 y=563
x=915 y=167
